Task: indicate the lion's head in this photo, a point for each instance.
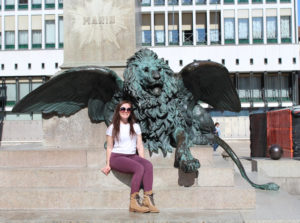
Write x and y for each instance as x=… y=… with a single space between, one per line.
x=148 y=75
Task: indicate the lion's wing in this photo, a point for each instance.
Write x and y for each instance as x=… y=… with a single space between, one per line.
x=210 y=83
x=72 y=90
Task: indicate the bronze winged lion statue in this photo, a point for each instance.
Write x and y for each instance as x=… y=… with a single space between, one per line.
x=167 y=105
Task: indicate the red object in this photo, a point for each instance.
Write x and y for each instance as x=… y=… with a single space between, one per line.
x=279 y=131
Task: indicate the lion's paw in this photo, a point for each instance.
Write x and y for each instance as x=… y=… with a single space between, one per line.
x=189 y=166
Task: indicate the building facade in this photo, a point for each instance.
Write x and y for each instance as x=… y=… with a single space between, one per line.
x=257 y=40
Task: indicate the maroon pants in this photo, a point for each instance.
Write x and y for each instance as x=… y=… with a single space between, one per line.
x=141 y=169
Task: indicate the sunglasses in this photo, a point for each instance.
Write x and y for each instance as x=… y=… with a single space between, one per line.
x=123 y=109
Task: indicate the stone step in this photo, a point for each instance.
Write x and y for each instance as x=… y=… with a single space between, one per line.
x=202 y=198
x=93 y=177
x=82 y=157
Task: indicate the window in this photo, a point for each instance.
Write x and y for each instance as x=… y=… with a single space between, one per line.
x=146 y=2
x=23 y=39
x=272 y=87
x=279 y=60
x=56 y=65
x=187 y=37
x=35 y=85
x=285 y=96
x=61 y=31
x=159 y=37
x=43 y=65
x=251 y=61
x=272 y=29
x=36 y=4
x=201 y=36
x=285 y=29
x=50 y=33
x=36 y=39
x=243 y=30
x=49 y=4
x=215 y=27
x=237 y=61
x=266 y=60
x=294 y=60
x=9 y=39
x=229 y=30
x=146 y=37
x=16 y=66
x=257 y=29
x=9 y=4
x=223 y=61
x=214 y=1
x=180 y=62
x=24 y=89
x=173 y=37
x=2 y=66
x=173 y=32
x=244 y=87
x=29 y=66
x=172 y=2
x=11 y=94
x=23 y=4
x=0 y=40
x=256 y=82
x=60 y=4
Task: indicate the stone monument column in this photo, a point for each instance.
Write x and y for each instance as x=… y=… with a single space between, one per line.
x=96 y=32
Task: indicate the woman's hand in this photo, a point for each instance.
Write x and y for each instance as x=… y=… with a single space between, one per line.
x=106 y=170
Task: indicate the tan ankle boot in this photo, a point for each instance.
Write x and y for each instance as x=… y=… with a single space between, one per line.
x=135 y=205
x=149 y=201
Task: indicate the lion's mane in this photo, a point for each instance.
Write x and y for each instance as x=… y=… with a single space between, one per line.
x=158 y=116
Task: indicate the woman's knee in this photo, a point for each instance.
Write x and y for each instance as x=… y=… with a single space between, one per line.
x=148 y=166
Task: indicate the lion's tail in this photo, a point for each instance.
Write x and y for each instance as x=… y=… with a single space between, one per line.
x=236 y=160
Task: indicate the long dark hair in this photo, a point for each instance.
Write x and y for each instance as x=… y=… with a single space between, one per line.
x=116 y=121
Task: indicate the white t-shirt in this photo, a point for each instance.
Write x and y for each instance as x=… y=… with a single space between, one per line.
x=126 y=144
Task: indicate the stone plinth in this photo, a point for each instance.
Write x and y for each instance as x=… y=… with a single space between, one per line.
x=74 y=131
x=285 y=172
x=65 y=178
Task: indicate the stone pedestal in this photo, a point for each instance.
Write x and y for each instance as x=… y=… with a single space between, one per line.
x=96 y=32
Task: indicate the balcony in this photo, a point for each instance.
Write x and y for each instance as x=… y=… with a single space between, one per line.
x=173 y=2
x=286 y=40
x=146 y=3
x=159 y=2
x=49 y=5
x=9 y=7
x=229 y=41
x=257 y=41
x=272 y=40
x=36 y=6
x=200 y=2
x=23 y=6
x=186 y=2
